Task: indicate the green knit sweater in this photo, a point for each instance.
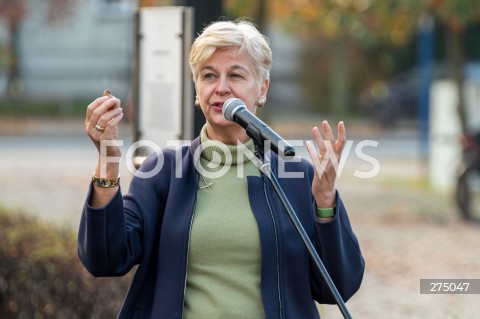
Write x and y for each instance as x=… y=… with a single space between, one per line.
x=224 y=258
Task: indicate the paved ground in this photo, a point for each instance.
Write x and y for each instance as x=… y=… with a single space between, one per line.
x=407 y=231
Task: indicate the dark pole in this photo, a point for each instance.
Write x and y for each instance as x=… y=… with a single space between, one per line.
x=425 y=60
x=206 y=11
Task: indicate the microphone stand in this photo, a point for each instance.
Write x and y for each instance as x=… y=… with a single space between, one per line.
x=265 y=167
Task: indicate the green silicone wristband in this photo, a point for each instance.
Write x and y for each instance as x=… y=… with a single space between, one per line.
x=325 y=212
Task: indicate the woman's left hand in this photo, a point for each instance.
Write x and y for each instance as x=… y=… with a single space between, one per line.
x=326 y=162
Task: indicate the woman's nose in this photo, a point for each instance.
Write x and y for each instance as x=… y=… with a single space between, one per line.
x=223 y=87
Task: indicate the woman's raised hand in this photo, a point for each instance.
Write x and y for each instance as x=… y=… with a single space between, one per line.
x=103 y=116
x=326 y=162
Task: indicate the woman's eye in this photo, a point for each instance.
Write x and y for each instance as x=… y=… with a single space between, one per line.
x=208 y=76
x=236 y=75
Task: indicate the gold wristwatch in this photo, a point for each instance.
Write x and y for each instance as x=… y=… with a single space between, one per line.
x=105 y=182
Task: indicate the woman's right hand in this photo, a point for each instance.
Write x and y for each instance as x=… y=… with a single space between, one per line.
x=103 y=116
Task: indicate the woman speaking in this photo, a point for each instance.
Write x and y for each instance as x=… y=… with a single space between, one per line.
x=209 y=235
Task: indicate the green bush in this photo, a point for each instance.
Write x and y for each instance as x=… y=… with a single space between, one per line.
x=42 y=277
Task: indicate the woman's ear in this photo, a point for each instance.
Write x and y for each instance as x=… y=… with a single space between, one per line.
x=264 y=87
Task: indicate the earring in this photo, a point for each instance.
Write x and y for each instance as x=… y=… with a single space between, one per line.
x=260 y=101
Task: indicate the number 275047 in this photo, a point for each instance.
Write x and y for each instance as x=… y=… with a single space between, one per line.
x=449 y=286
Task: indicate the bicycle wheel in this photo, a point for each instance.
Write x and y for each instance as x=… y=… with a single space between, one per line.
x=468 y=194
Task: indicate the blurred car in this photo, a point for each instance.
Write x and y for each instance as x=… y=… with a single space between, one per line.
x=386 y=103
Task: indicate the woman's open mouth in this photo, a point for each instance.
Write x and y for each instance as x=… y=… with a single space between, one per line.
x=217 y=106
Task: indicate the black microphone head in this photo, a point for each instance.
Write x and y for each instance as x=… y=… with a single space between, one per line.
x=231 y=106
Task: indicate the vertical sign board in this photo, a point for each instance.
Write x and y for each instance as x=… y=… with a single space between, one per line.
x=445 y=130
x=165 y=102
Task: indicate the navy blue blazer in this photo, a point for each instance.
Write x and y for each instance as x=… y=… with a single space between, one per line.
x=150 y=226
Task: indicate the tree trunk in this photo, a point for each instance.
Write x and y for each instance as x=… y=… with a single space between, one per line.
x=339 y=97
x=260 y=15
x=14 y=84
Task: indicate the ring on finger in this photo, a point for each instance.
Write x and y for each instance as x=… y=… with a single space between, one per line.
x=99 y=128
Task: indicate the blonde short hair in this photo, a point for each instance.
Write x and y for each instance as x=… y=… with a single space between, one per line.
x=241 y=35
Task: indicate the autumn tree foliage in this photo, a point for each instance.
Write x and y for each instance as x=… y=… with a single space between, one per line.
x=390 y=22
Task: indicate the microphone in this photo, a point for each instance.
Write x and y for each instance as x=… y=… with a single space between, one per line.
x=235 y=110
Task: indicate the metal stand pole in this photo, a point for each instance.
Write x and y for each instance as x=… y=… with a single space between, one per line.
x=265 y=167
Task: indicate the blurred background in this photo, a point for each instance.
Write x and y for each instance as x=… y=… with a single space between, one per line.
x=403 y=75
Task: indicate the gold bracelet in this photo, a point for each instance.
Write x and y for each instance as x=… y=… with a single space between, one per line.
x=105 y=182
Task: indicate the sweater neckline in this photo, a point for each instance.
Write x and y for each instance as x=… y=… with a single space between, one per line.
x=219 y=153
